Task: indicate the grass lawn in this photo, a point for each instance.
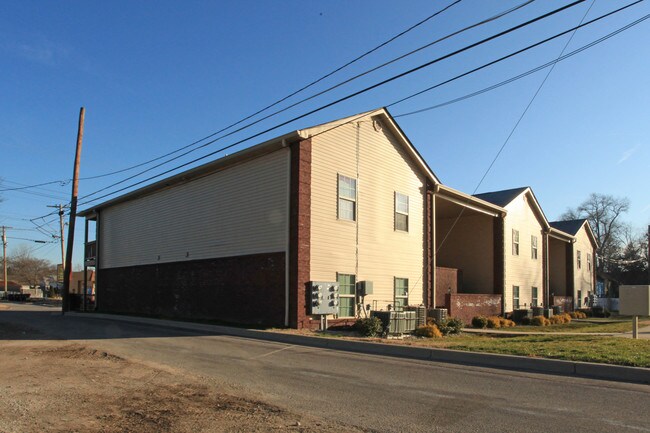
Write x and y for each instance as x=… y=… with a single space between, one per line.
x=619 y=326
x=608 y=350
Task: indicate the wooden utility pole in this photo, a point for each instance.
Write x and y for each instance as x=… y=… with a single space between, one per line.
x=4 y=257
x=67 y=270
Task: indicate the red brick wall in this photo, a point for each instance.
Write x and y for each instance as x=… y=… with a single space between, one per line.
x=465 y=305
x=446 y=279
x=243 y=289
x=299 y=233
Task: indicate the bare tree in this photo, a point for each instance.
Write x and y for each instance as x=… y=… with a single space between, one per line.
x=26 y=269
x=603 y=212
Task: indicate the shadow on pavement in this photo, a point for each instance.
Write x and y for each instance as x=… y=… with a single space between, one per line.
x=50 y=324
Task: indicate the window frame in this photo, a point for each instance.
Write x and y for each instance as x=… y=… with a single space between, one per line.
x=533 y=247
x=579 y=259
x=397 y=211
x=353 y=296
x=589 y=262
x=515 y=242
x=405 y=297
x=534 y=296
x=346 y=199
x=515 y=299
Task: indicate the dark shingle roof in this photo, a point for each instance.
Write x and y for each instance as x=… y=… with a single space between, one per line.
x=571 y=226
x=501 y=198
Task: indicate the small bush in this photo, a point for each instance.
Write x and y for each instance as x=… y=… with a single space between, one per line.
x=539 y=321
x=479 y=322
x=556 y=320
x=493 y=322
x=369 y=327
x=451 y=326
x=428 y=331
x=525 y=320
x=577 y=315
x=506 y=323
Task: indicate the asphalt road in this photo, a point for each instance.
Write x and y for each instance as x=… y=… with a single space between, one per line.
x=374 y=392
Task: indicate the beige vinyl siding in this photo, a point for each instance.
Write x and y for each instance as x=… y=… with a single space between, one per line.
x=583 y=277
x=237 y=211
x=522 y=270
x=370 y=247
x=468 y=247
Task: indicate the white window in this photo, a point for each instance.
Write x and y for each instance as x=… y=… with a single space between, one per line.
x=347 y=294
x=347 y=209
x=589 y=261
x=401 y=212
x=401 y=298
x=534 y=299
x=515 y=297
x=533 y=247
x=515 y=242
x=579 y=260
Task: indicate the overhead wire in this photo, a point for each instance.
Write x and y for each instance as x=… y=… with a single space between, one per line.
x=277 y=102
x=487 y=20
x=514 y=128
x=349 y=96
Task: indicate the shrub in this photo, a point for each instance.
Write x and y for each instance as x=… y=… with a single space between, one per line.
x=450 y=326
x=525 y=320
x=428 y=331
x=493 y=322
x=577 y=315
x=479 y=322
x=506 y=323
x=539 y=321
x=556 y=320
x=369 y=327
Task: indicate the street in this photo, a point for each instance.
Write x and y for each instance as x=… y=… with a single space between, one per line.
x=371 y=392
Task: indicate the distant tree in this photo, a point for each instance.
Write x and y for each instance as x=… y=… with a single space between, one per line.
x=26 y=269
x=603 y=213
x=631 y=264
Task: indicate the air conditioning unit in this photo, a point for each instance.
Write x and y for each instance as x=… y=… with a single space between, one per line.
x=438 y=314
x=364 y=288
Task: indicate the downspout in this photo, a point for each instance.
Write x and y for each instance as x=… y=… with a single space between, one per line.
x=287 y=259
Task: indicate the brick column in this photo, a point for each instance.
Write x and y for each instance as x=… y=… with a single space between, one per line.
x=299 y=232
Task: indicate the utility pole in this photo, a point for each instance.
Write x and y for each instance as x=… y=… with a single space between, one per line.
x=67 y=270
x=61 y=214
x=4 y=257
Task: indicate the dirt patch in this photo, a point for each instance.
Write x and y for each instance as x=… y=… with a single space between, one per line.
x=58 y=386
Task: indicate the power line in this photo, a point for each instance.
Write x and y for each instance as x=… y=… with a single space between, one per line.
x=514 y=128
x=279 y=101
x=357 y=93
x=318 y=80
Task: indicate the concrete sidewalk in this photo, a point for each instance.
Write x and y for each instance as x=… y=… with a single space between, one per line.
x=490 y=360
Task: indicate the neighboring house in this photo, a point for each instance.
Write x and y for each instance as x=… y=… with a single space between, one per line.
x=12 y=286
x=239 y=239
x=525 y=238
x=77 y=282
x=577 y=278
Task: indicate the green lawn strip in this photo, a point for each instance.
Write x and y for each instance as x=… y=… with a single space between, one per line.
x=623 y=326
x=608 y=350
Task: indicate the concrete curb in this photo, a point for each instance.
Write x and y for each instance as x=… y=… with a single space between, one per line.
x=478 y=359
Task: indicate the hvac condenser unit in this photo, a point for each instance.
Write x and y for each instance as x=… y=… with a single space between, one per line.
x=364 y=288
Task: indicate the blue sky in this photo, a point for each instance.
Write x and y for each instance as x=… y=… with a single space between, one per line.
x=155 y=76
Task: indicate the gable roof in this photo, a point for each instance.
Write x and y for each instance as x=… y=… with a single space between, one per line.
x=503 y=197
x=264 y=148
x=572 y=227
